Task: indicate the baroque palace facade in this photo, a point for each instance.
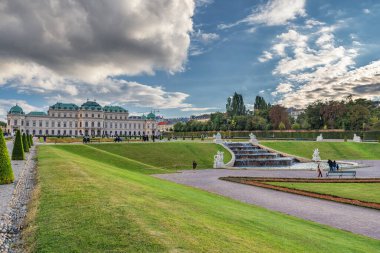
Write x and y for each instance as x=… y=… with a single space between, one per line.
x=88 y=119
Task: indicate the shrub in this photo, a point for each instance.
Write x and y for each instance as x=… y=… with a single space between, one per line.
x=18 y=149
x=31 y=140
x=28 y=141
x=25 y=143
x=6 y=172
x=296 y=126
x=281 y=126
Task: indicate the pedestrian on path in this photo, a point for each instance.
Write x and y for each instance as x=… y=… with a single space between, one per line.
x=194 y=165
x=319 y=170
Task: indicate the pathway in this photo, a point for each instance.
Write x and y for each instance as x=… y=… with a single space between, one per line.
x=358 y=220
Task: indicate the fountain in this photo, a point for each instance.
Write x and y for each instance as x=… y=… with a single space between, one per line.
x=218 y=138
x=252 y=139
x=320 y=137
x=249 y=155
x=357 y=138
x=219 y=160
x=316 y=156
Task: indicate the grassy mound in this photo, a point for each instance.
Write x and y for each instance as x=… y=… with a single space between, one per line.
x=328 y=150
x=6 y=172
x=369 y=192
x=95 y=201
x=174 y=155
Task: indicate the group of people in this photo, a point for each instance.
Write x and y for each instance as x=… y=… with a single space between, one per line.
x=333 y=166
x=86 y=139
x=117 y=139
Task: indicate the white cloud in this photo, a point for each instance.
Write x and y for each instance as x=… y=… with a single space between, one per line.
x=205 y=38
x=266 y=56
x=312 y=65
x=366 y=11
x=273 y=13
x=198 y=109
x=92 y=40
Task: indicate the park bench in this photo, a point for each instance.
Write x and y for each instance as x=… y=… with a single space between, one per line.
x=341 y=173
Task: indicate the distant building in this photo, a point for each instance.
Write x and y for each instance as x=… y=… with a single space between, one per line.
x=67 y=119
x=165 y=126
x=201 y=118
x=294 y=113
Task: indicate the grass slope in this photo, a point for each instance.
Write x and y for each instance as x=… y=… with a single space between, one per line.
x=174 y=155
x=369 y=192
x=328 y=150
x=95 y=203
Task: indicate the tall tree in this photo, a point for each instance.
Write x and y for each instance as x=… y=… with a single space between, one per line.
x=235 y=106
x=25 y=143
x=6 y=172
x=278 y=114
x=260 y=103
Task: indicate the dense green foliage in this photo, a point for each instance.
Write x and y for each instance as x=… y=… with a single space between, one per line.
x=92 y=205
x=18 y=148
x=328 y=150
x=3 y=124
x=25 y=143
x=348 y=114
x=31 y=139
x=303 y=134
x=6 y=172
x=369 y=192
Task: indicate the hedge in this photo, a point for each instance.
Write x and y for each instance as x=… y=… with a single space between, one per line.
x=28 y=141
x=289 y=134
x=31 y=140
x=6 y=172
x=25 y=143
x=18 y=149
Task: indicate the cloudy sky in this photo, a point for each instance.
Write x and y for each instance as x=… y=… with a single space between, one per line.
x=186 y=57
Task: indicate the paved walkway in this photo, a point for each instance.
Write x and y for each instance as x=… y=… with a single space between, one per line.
x=358 y=220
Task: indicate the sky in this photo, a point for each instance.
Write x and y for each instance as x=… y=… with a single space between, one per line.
x=182 y=58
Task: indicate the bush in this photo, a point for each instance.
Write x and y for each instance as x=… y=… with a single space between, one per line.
x=296 y=126
x=31 y=140
x=18 y=149
x=25 y=143
x=281 y=126
x=6 y=172
x=28 y=141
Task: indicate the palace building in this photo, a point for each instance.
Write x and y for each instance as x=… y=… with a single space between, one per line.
x=66 y=119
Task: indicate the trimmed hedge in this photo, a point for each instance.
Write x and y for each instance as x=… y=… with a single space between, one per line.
x=18 y=149
x=28 y=141
x=302 y=134
x=31 y=140
x=6 y=172
x=25 y=143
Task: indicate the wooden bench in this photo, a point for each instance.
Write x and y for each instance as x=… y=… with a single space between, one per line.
x=341 y=173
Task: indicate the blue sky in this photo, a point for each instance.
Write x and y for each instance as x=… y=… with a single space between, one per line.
x=187 y=57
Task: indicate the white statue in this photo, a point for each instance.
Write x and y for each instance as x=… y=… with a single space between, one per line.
x=357 y=138
x=218 y=138
x=320 y=138
x=316 y=157
x=219 y=160
x=252 y=139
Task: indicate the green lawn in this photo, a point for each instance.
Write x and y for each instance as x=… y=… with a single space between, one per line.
x=328 y=150
x=369 y=192
x=176 y=155
x=95 y=201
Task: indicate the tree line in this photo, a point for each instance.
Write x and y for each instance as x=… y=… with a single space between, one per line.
x=347 y=114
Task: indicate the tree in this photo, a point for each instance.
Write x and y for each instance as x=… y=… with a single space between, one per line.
x=332 y=113
x=3 y=124
x=281 y=126
x=18 y=149
x=359 y=115
x=260 y=103
x=296 y=126
x=277 y=115
x=28 y=141
x=6 y=172
x=313 y=115
x=235 y=106
x=25 y=144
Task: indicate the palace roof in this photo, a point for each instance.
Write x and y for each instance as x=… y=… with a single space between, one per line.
x=64 y=106
x=37 y=114
x=16 y=110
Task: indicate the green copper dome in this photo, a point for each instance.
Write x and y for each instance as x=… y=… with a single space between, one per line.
x=91 y=105
x=151 y=116
x=16 y=110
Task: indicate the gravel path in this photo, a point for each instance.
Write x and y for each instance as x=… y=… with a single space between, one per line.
x=14 y=199
x=358 y=220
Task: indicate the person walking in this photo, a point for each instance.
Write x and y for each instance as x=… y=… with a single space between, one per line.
x=319 y=170
x=194 y=165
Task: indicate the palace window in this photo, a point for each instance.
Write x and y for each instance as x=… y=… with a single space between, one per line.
x=98 y=124
x=86 y=115
x=40 y=123
x=80 y=124
x=92 y=123
x=92 y=115
x=86 y=124
x=52 y=132
x=64 y=124
x=47 y=124
x=34 y=123
x=27 y=123
x=53 y=124
x=59 y=125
